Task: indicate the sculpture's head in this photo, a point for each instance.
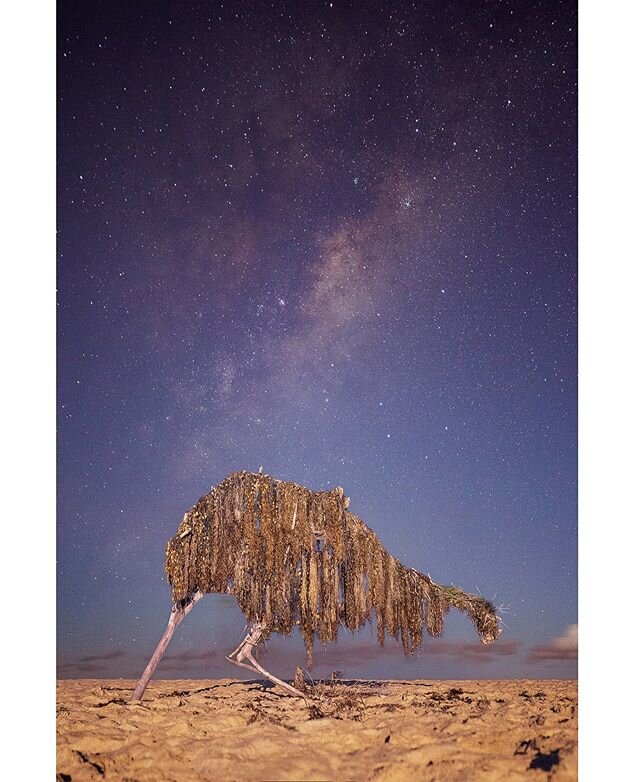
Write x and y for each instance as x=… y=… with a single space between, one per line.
x=486 y=620
x=481 y=612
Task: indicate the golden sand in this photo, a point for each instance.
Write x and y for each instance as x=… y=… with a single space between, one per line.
x=225 y=729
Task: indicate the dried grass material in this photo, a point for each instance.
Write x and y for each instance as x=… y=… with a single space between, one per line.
x=293 y=556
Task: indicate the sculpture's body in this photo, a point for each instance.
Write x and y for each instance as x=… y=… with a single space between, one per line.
x=292 y=556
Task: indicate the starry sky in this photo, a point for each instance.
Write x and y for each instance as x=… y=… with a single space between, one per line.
x=338 y=241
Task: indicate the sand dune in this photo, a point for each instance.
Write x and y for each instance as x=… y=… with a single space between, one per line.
x=225 y=729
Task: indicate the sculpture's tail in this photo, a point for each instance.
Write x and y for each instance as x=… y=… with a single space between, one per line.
x=482 y=613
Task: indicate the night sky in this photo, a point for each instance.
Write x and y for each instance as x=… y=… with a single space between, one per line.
x=338 y=241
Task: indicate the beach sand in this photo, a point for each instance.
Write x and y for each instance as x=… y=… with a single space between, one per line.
x=226 y=729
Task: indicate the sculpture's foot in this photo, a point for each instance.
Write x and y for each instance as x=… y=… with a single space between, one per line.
x=243 y=657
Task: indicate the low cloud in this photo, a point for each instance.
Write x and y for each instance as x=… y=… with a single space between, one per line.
x=565 y=647
x=111 y=655
x=282 y=655
x=190 y=659
x=473 y=651
x=454 y=651
x=347 y=654
x=92 y=663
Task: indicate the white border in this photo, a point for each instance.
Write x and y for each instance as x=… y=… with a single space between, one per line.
x=28 y=387
x=608 y=396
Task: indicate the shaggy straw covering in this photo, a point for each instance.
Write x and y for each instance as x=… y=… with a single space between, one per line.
x=294 y=556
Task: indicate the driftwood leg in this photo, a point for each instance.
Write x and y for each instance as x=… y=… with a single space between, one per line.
x=245 y=652
x=178 y=613
x=240 y=653
x=238 y=647
x=273 y=678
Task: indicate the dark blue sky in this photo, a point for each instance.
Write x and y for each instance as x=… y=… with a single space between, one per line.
x=338 y=241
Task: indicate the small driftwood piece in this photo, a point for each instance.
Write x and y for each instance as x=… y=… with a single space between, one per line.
x=294 y=557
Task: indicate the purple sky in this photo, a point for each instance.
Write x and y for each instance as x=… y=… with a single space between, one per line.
x=337 y=241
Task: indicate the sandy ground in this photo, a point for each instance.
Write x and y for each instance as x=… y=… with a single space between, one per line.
x=225 y=729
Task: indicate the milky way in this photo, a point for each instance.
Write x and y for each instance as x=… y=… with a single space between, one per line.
x=337 y=241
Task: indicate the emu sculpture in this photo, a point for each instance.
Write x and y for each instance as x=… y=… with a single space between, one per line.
x=292 y=556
